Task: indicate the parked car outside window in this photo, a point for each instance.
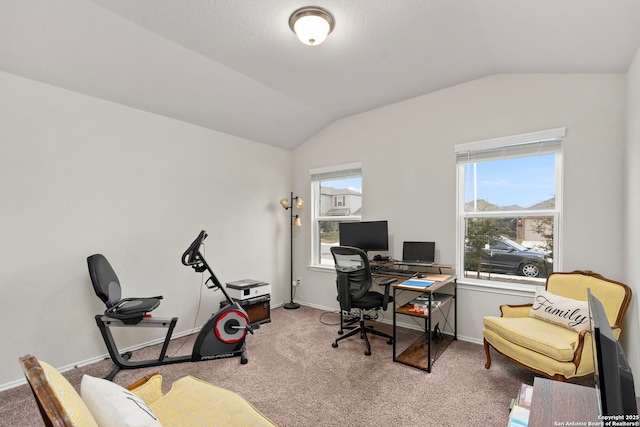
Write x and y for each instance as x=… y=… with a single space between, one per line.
x=509 y=257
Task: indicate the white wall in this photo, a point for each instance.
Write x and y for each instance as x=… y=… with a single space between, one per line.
x=630 y=339
x=409 y=176
x=79 y=175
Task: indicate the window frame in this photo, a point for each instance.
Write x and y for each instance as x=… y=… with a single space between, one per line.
x=514 y=146
x=348 y=170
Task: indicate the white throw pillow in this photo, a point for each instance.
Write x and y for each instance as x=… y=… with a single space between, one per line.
x=568 y=312
x=114 y=406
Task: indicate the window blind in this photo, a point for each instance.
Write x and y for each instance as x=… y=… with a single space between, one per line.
x=336 y=172
x=530 y=144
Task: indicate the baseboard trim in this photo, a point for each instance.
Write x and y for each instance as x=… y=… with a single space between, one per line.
x=102 y=357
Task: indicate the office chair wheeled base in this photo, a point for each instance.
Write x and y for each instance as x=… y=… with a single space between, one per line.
x=353 y=283
x=363 y=330
x=348 y=324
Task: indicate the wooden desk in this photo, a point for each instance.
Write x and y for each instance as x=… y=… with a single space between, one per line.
x=421 y=268
x=555 y=402
x=421 y=353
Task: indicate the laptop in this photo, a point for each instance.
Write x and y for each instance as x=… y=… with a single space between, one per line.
x=418 y=253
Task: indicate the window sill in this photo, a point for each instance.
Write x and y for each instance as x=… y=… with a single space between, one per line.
x=525 y=290
x=322 y=268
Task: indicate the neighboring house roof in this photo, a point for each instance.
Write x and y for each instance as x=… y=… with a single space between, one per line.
x=330 y=191
x=485 y=206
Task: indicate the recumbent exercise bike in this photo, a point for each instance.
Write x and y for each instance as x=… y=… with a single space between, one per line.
x=222 y=336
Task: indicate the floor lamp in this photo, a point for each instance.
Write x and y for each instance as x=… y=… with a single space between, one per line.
x=295 y=220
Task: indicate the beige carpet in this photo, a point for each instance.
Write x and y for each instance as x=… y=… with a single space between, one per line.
x=296 y=378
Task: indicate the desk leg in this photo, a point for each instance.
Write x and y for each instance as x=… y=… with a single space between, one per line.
x=394 y=303
x=455 y=309
x=428 y=326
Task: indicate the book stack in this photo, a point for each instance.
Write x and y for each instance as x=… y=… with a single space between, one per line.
x=519 y=416
x=421 y=303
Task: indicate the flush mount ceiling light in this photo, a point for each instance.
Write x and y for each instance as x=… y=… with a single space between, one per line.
x=312 y=24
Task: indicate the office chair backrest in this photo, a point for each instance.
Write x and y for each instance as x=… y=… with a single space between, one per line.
x=352 y=265
x=104 y=279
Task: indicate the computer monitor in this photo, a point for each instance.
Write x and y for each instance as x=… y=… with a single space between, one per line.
x=614 y=381
x=418 y=253
x=365 y=235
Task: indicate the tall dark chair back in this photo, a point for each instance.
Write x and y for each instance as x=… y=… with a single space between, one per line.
x=353 y=274
x=104 y=279
x=107 y=287
x=354 y=282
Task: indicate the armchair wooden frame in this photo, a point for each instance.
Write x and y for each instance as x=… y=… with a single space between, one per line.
x=50 y=407
x=524 y=309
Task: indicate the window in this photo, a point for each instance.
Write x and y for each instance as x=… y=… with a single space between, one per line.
x=509 y=208
x=336 y=194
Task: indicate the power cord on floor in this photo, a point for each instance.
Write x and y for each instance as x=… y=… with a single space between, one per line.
x=322 y=315
x=195 y=319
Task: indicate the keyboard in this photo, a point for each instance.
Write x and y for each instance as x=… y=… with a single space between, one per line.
x=392 y=271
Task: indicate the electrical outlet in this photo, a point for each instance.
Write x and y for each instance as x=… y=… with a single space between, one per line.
x=299 y=281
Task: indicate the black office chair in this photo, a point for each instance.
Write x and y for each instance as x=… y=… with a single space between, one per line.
x=107 y=288
x=354 y=291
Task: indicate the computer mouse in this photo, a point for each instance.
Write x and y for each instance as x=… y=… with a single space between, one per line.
x=420 y=276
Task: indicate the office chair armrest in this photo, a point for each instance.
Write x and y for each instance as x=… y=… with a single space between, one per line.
x=387 y=282
x=387 y=285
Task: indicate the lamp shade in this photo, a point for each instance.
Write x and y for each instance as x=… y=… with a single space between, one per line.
x=299 y=202
x=284 y=202
x=312 y=25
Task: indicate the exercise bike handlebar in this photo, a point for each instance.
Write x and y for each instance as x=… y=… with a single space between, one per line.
x=192 y=257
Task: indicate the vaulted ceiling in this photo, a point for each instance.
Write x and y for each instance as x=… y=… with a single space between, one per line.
x=235 y=66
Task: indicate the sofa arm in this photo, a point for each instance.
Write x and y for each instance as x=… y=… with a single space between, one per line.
x=192 y=402
x=515 y=310
x=148 y=388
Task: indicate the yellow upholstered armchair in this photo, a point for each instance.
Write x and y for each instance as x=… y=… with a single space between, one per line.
x=551 y=336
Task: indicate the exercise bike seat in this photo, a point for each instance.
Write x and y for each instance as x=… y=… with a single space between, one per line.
x=107 y=288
